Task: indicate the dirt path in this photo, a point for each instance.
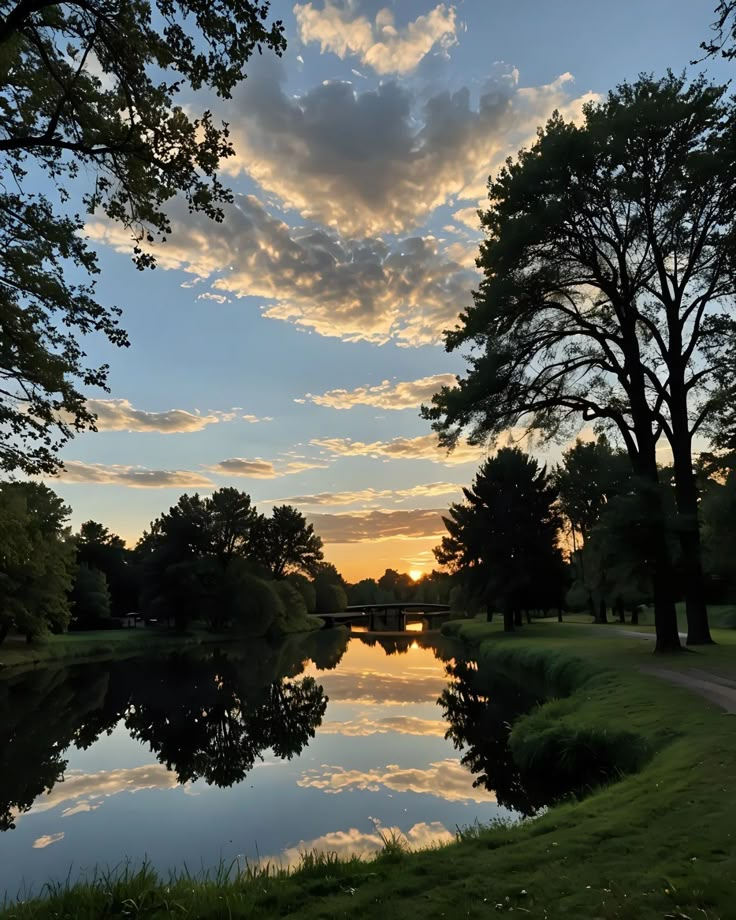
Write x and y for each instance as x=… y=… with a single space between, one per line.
x=719 y=690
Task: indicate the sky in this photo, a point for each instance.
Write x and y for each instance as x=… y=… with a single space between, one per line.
x=286 y=350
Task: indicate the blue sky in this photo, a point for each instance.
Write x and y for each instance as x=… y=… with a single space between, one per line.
x=286 y=350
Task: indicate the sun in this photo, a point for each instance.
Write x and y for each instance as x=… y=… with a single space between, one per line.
x=415 y=574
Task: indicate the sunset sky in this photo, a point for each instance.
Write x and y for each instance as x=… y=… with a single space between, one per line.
x=286 y=350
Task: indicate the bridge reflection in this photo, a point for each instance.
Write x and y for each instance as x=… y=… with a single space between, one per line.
x=391 y=618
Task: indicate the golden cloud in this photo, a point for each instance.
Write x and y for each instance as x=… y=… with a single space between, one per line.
x=378 y=43
x=403 y=725
x=447 y=779
x=258 y=468
x=121 y=415
x=360 y=526
x=136 y=477
x=424 y=447
x=354 y=842
x=371 y=688
x=407 y=394
x=428 y=490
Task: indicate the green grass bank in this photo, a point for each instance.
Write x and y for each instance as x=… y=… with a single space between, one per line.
x=658 y=843
x=98 y=645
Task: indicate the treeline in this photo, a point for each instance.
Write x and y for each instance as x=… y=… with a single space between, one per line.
x=214 y=561
x=577 y=537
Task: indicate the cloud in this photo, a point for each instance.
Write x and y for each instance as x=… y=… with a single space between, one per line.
x=41 y=843
x=378 y=42
x=85 y=791
x=424 y=447
x=354 y=842
x=429 y=490
x=446 y=779
x=136 y=477
x=352 y=289
x=407 y=394
x=380 y=160
x=403 y=725
x=120 y=415
x=258 y=468
x=371 y=688
x=373 y=526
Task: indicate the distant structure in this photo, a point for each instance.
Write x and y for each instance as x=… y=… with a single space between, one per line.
x=391 y=617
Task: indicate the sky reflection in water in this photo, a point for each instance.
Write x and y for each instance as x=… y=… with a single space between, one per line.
x=379 y=761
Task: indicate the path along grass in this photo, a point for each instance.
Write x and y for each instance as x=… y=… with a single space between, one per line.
x=656 y=844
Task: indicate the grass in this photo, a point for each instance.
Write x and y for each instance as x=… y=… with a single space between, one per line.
x=659 y=843
x=91 y=645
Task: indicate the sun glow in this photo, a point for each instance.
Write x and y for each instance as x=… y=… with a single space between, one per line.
x=415 y=574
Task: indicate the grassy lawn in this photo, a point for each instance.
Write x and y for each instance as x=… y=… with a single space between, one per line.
x=106 y=643
x=656 y=844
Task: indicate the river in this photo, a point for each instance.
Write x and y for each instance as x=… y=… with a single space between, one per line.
x=252 y=753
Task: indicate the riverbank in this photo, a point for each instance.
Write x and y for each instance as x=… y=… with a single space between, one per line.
x=100 y=645
x=658 y=843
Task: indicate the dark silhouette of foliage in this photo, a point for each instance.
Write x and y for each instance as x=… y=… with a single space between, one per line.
x=503 y=538
x=287 y=544
x=36 y=560
x=99 y=548
x=608 y=272
x=89 y=89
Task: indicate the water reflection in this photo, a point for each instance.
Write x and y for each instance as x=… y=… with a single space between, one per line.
x=208 y=715
x=481 y=710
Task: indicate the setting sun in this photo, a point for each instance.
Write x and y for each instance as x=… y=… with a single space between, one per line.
x=415 y=574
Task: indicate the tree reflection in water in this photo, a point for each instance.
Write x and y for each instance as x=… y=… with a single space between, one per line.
x=210 y=715
x=481 y=710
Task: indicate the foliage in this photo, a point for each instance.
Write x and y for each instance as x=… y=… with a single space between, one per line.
x=99 y=548
x=88 y=99
x=307 y=590
x=503 y=539
x=606 y=296
x=90 y=596
x=724 y=40
x=331 y=598
x=36 y=560
x=286 y=543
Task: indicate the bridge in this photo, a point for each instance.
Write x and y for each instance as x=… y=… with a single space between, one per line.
x=391 y=617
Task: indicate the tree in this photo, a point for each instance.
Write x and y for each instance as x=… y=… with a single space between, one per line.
x=397 y=585
x=286 y=543
x=106 y=552
x=90 y=596
x=36 y=560
x=590 y=475
x=724 y=41
x=504 y=533
x=88 y=92
x=606 y=297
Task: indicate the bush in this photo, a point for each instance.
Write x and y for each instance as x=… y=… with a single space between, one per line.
x=255 y=604
x=306 y=589
x=331 y=598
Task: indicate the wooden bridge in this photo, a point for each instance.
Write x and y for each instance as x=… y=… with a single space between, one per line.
x=391 y=617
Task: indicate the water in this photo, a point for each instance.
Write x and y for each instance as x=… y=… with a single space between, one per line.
x=253 y=753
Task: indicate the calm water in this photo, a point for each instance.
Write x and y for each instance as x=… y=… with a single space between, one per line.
x=317 y=743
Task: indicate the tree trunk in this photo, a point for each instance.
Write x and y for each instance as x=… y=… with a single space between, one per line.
x=508 y=619
x=559 y=614
x=517 y=617
x=4 y=630
x=489 y=613
x=620 y=610
x=601 y=616
x=686 y=495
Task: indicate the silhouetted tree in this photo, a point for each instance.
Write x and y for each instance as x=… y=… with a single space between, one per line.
x=90 y=596
x=607 y=263
x=99 y=548
x=91 y=87
x=505 y=531
x=36 y=560
x=285 y=543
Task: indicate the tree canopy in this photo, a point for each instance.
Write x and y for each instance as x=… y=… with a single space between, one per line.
x=88 y=102
x=607 y=291
x=503 y=537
